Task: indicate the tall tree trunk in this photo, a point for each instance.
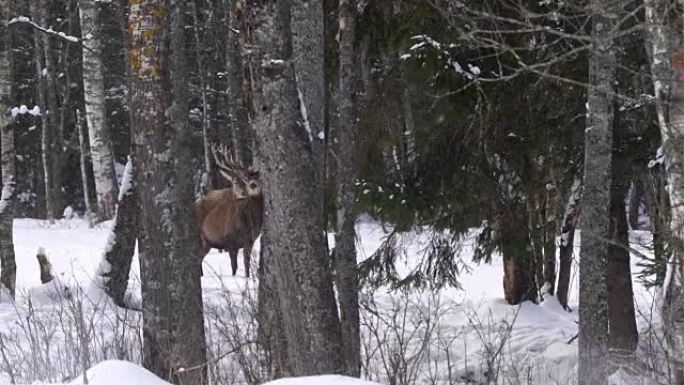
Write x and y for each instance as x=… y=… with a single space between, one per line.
x=294 y=225
x=186 y=289
x=83 y=153
x=346 y=149
x=658 y=206
x=116 y=263
x=519 y=263
x=567 y=238
x=8 y=269
x=550 y=230
x=308 y=46
x=54 y=136
x=671 y=122
x=271 y=330
x=101 y=151
x=238 y=125
x=37 y=9
x=169 y=243
x=593 y=308
x=623 y=335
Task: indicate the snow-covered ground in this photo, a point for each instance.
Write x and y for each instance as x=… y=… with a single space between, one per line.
x=453 y=336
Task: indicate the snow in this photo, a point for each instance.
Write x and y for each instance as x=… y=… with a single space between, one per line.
x=321 y=380
x=449 y=333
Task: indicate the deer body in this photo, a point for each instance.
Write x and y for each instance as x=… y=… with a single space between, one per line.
x=231 y=218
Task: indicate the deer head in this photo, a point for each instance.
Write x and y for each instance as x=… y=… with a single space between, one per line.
x=244 y=182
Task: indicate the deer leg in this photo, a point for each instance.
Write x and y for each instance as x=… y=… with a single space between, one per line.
x=247 y=255
x=233 y=260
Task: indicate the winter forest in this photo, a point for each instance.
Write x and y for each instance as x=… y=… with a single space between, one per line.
x=344 y=192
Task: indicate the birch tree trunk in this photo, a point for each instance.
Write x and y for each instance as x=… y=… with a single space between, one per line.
x=668 y=90
x=101 y=151
x=294 y=225
x=567 y=238
x=346 y=158
x=8 y=270
x=173 y=328
x=593 y=297
x=83 y=153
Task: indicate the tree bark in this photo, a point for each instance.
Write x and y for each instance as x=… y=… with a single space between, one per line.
x=83 y=153
x=37 y=9
x=293 y=217
x=593 y=309
x=346 y=149
x=238 y=125
x=623 y=335
x=101 y=151
x=8 y=270
x=519 y=281
x=169 y=244
x=271 y=331
x=308 y=45
x=550 y=230
x=567 y=238
x=671 y=123
x=116 y=264
x=636 y=195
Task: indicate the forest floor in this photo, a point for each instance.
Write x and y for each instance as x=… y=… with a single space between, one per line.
x=453 y=336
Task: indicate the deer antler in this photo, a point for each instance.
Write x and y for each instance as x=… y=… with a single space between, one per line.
x=228 y=165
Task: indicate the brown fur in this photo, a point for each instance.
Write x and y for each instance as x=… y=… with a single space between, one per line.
x=227 y=223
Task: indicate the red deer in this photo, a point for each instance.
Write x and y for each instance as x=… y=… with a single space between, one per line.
x=231 y=218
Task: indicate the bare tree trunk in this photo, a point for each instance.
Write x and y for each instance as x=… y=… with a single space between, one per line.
x=668 y=65
x=38 y=13
x=623 y=336
x=293 y=217
x=101 y=151
x=346 y=157
x=83 y=147
x=169 y=244
x=238 y=125
x=550 y=230
x=308 y=45
x=116 y=263
x=593 y=309
x=658 y=206
x=567 y=237
x=519 y=263
x=271 y=332
x=8 y=270
x=54 y=137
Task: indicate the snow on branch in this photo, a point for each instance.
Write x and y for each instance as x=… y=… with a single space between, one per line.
x=26 y=20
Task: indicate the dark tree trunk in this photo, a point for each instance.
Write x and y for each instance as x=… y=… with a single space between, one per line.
x=567 y=239
x=658 y=206
x=593 y=296
x=119 y=251
x=238 y=125
x=293 y=217
x=271 y=332
x=623 y=336
x=519 y=265
x=8 y=269
x=550 y=230
x=169 y=243
x=37 y=9
x=346 y=157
